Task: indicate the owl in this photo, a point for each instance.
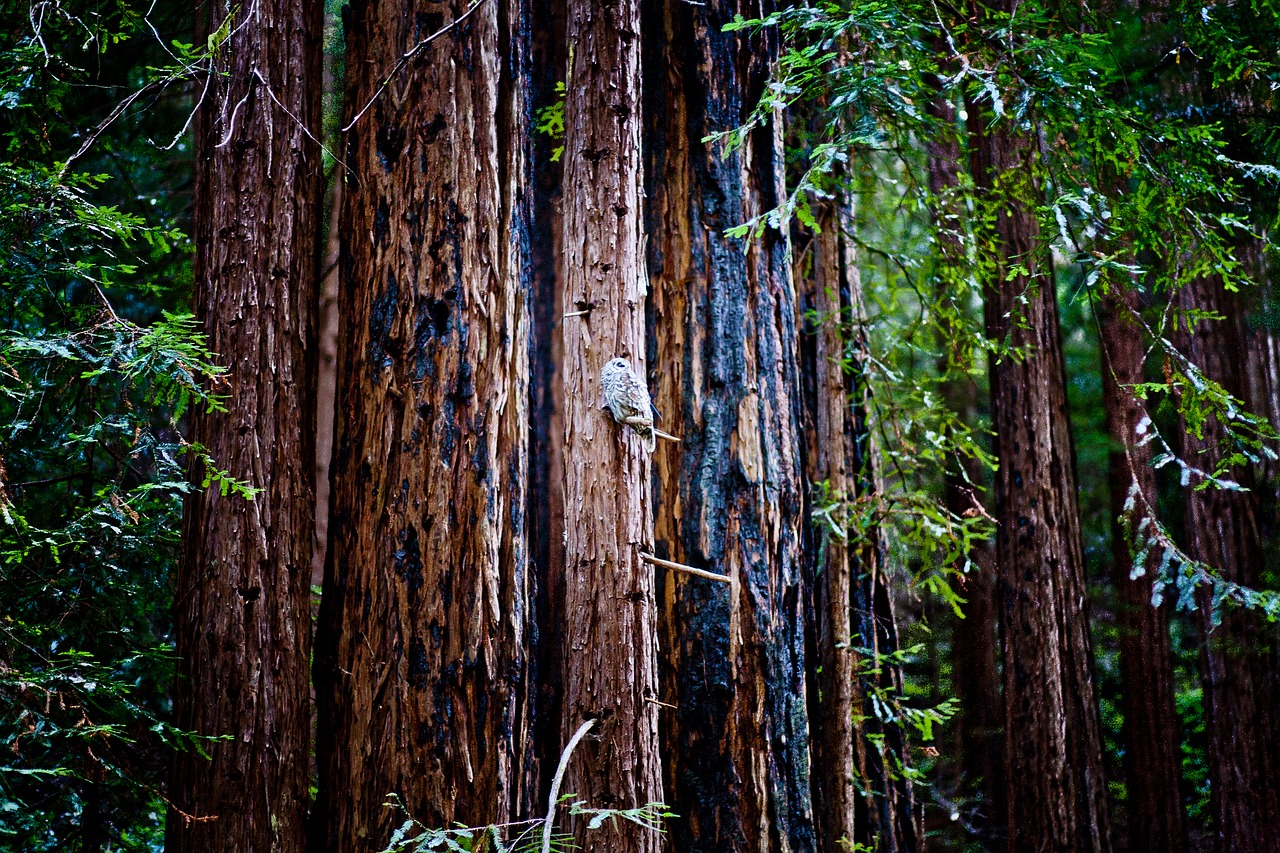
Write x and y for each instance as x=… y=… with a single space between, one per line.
x=627 y=398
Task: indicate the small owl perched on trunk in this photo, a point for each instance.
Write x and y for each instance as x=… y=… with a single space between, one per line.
x=628 y=399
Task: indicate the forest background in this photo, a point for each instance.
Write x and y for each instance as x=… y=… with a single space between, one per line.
x=965 y=315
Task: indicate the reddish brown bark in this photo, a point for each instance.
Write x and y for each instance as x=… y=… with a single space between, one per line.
x=423 y=656
x=242 y=609
x=730 y=497
x=1241 y=689
x=610 y=651
x=1151 y=761
x=1054 y=779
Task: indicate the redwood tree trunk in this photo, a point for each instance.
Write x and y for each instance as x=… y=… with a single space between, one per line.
x=1151 y=760
x=975 y=665
x=610 y=652
x=423 y=652
x=730 y=497
x=242 y=609
x=1053 y=745
x=861 y=794
x=1241 y=691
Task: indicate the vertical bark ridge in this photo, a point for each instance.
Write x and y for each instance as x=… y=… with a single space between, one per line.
x=730 y=497
x=243 y=624
x=610 y=651
x=425 y=616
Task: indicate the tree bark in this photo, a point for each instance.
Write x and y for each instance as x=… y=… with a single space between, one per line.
x=610 y=636
x=861 y=794
x=242 y=612
x=730 y=497
x=1053 y=745
x=1239 y=655
x=423 y=653
x=1151 y=759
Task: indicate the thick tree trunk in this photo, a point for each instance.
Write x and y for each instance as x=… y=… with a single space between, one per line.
x=1151 y=738
x=242 y=608
x=975 y=664
x=610 y=651
x=861 y=794
x=1053 y=745
x=730 y=497
x=423 y=652
x=1240 y=671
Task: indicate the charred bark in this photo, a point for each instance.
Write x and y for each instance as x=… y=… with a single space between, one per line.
x=610 y=650
x=1151 y=739
x=423 y=653
x=242 y=609
x=730 y=497
x=1054 y=779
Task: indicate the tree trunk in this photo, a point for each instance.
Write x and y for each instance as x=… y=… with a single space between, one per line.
x=1053 y=745
x=975 y=668
x=545 y=497
x=1240 y=681
x=861 y=794
x=242 y=609
x=730 y=497
x=1151 y=759
x=610 y=636
x=423 y=652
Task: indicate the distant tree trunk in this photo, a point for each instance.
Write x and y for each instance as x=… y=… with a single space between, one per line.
x=422 y=657
x=861 y=795
x=1151 y=760
x=610 y=651
x=1240 y=675
x=1053 y=744
x=975 y=665
x=242 y=607
x=545 y=497
x=730 y=497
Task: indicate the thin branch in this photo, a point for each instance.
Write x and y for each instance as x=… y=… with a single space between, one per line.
x=554 y=796
x=681 y=567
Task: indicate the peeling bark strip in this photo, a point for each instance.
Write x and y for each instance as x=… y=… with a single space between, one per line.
x=422 y=660
x=860 y=791
x=1053 y=744
x=610 y=652
x=1152 y=763
x=730 y=498
x=242 y=610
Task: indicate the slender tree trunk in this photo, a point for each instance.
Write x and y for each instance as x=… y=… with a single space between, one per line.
x=1240 y=671
x=1053 y=745
x=242 y=608
x=423 y=652
x=861 y=793
x=1151 y=760
x=975 y=665
x=610 y=633
x=730 y=497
